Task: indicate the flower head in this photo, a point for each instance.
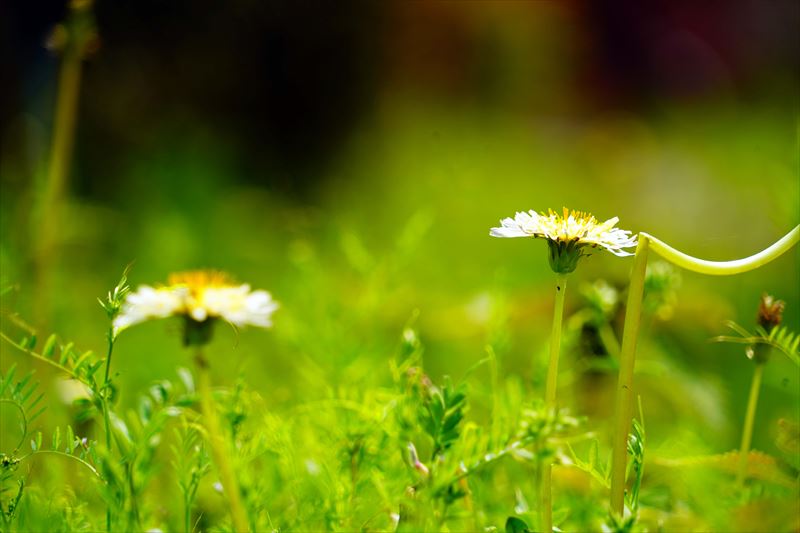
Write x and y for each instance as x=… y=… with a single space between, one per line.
x=769 y=317
x=199 y=296
x=567 y=234
x=770 y=312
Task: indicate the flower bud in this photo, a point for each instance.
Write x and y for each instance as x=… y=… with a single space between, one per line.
x=770 y=312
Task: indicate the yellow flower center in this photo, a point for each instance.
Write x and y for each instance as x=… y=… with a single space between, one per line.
x=199 y=280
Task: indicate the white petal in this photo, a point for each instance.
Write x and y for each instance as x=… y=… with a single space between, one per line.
x=508 y=232
x=522 y=225
x=239 y=306
x=145 y=304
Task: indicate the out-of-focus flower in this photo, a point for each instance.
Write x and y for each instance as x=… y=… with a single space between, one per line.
x=770 y=312
x=567 y=235
x=601 y=298
x=661 y=284
x=199 y=296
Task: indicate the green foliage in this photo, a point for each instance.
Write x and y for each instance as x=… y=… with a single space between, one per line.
x=636 y=448
x=324 y=434
x=191 y=464
x=591 y=465
x=780 y=338
x=397 y=446
x=81 y=366
x=441 y=412
x=116 y=296
x=22 y=396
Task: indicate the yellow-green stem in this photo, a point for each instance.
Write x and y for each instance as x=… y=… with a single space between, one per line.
x=609 y=340
x=555 y=342
x=749 y=420
x=546 y=509
x=624 y=400
x=219 y=449
x=724 y=268
x=627 y=358
x=48 y=210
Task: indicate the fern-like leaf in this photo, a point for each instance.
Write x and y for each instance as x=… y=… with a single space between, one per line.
x=79 y=365
x=780 y=338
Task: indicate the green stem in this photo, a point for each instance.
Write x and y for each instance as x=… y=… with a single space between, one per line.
x=555 y=342
x=749 y=419
x=627 y=359
x=546 y=508
x=106 y=417
x=59 y=453
x=218 y=448
x=109 y=352
x=495 y=435
x=609 y=340
x=134 y=520
x=187 y=515
x=23 y=419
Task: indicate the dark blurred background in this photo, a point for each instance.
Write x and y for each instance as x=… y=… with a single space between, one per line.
x=286 y=84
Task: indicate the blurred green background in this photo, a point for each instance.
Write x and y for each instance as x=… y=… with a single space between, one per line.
x=350 y=157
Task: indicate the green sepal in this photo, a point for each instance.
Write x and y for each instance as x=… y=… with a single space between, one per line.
x=564 y=255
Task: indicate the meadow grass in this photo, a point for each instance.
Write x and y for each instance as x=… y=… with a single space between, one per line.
x=404 y=385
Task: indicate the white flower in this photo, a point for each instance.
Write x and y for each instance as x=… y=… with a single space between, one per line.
x=199 y=295
x=571 y=226
x=567 y=233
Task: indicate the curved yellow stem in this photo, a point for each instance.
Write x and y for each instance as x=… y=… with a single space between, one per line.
x=723 y=268
x=624 y=401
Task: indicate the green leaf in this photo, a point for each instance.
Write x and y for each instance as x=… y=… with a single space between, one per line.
x=66 y=352
x=83 y=359
x=19 y=389
x=49 y=346
x=93 y=368
x=6 y=380
x=517 y=525
x=437 y=407
x=186 y=377
x=452 y=421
